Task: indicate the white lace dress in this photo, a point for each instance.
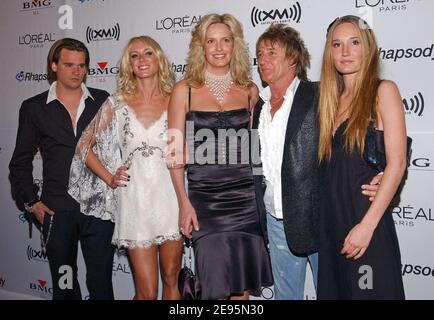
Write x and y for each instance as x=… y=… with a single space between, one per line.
x=146 y=211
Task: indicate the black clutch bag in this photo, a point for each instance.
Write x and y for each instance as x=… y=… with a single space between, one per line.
x=375 y=152
x=188 y=282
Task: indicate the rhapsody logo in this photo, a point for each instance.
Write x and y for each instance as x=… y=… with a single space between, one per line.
x=383 y=5
x=179 y=68
x=408 y=53
x=417 y=270
x=414 y=105
x=23 y=76
x=177 y=24
x=284 y=15
x=41 y=287
x=407 y=215
x=36 y=5
x=36 y=255
x=36 y=40
x=103 y=34
x=103 y=70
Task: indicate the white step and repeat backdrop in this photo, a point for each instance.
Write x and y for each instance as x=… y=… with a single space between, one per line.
x=405 y=31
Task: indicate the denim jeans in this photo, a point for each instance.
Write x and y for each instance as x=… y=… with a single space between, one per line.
x=289 y=270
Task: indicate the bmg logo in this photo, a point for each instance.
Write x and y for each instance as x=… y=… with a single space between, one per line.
x=286 y=15
x=103 y=70
x=41 y=287
x=36 y=4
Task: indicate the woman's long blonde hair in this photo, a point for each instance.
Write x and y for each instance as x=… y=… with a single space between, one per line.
x=363 y=103
x=127 y=82
x=240 y=66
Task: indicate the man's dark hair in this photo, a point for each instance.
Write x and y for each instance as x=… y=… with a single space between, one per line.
x=54 y=54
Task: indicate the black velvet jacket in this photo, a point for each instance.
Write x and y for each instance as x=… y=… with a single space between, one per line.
x=300 y=172
x=49 y=128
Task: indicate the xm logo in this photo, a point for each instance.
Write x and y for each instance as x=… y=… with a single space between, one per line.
x=414 y=105
x=103 y=34
x=36 y=255
x=285 y=15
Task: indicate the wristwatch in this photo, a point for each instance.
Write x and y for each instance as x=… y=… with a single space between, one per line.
x=28 y=205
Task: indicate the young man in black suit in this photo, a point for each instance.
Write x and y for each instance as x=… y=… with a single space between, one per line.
x=52 y=122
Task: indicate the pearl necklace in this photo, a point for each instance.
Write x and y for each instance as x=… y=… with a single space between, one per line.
x=218 y=85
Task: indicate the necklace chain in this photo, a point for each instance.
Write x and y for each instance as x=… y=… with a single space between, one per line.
x=218 y=85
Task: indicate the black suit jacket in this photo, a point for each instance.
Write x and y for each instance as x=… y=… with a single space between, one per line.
x=49 y=128
x=299 y=173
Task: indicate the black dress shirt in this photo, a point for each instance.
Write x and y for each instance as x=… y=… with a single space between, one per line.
x=49 y=128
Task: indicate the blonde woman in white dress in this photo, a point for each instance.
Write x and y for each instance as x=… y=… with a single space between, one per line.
x=128 y=179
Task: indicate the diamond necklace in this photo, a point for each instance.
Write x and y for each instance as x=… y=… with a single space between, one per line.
x=218 y=85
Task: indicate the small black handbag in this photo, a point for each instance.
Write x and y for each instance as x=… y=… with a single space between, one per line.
x=188 y=282
x=375 y=152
